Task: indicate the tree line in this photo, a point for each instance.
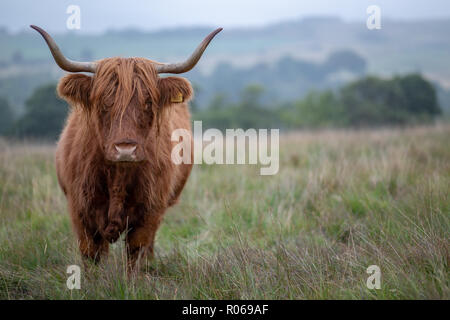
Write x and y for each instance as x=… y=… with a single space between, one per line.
x=367 y=102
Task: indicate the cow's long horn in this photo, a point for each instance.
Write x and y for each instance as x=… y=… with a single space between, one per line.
x=61 y=60
x=187 y=65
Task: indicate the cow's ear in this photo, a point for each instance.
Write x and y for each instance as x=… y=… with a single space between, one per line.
x=75 y=88
x=174 y=90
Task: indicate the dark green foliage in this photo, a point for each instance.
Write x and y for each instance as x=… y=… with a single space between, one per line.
x=249 y=112
x=443 y=98
x=18 y=87
x=367 y=102
x=419 y=95
x=6 y=116
x=44 y=115
x=317 y=109
x=373 y=101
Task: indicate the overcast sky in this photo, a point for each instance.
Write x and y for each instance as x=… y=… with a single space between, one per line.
x=100 y=15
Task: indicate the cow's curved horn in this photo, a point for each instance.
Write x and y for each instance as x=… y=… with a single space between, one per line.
x=61 y=60
x=187 y=65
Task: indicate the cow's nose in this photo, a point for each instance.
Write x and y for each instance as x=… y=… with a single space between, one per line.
x=125 y=151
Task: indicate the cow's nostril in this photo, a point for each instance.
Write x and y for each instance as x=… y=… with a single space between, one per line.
x=125 y=149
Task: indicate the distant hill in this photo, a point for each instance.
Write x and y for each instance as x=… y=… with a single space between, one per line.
x=399 y=47
x=285 y=80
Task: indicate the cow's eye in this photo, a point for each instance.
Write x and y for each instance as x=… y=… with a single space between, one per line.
x=148 y=104
x=108 y=102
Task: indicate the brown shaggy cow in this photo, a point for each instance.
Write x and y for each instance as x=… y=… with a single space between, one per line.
x=113 y=158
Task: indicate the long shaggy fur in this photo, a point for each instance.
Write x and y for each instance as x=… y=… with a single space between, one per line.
x=124 y=98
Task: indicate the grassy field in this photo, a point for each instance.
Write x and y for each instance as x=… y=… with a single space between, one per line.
x=341 y=201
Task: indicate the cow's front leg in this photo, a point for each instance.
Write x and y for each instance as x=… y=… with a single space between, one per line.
x=114 y=225
x=140 y=240
x=91 y=244
x=92 y=247
x=115 y=217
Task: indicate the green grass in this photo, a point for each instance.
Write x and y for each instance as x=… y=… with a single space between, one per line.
x=341 y=201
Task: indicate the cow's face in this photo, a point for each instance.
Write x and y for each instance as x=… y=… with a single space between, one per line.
x=125 y=101
x=124 y=134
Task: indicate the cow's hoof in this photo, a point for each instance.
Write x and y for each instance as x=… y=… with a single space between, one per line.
x=111 y=233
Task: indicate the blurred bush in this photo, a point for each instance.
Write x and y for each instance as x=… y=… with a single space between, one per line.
x=44 y=115
x=6 y=116
x=368 y=102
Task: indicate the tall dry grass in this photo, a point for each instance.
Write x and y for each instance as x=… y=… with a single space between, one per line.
x=342 y=200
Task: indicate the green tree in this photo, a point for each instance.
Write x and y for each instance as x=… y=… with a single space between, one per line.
x=44 y=114
x=219 y=101
x=251 y=96
x=374 y=101
x=419 y=94
x=317 y=109
x=6 y=116
x=194 y=102
x=247 y=113
x=370 y=101
x=250 y=111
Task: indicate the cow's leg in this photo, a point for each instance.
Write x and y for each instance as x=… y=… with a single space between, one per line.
x=139 y=241
x=115 y=217
x=92 y=247
x=114 y=221
x=91 y=244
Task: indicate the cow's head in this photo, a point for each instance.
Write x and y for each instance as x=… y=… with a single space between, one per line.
x=124 y=99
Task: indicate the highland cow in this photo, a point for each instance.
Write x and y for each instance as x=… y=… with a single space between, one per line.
x=113 y=159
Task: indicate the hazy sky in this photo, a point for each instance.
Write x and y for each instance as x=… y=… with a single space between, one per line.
x=99 y=15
